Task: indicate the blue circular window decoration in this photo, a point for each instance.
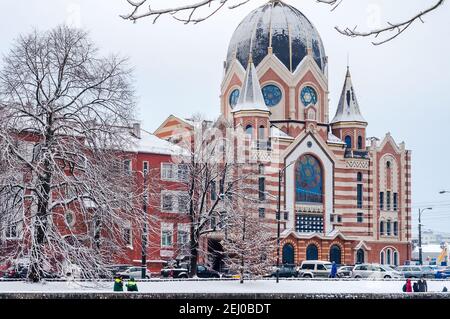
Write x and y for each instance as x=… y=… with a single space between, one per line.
x=272 y=95
x=234 y=97
x=308 y=96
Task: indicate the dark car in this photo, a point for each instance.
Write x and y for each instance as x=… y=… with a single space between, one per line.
x=183 y=272
x=285 y=271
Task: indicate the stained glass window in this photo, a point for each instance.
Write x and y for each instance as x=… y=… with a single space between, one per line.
x=272 y=95
x=234 y=97
x=308 y=96
x=308 y=180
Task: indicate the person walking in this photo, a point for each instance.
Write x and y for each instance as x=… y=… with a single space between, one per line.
x=132 y=285
x=333 y=270
x=422 y=283
x=407 y=286
x=118 y=284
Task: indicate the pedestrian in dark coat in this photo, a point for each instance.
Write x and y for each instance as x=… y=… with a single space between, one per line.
x=333 y=270
x=132 y=285
x=118 y=284
x=422 y=283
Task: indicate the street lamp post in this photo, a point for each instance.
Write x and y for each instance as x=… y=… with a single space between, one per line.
x=280 y=178
x=144 y=230
x=420 y=232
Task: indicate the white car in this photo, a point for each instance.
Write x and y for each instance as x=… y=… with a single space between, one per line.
x=375 y=271
x=315 y=269
x=135 y=272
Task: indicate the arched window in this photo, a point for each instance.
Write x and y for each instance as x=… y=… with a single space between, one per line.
x=388 y=228
x=382 y=258
x=396 y=258
x=360 y=143
x=335 y=254
x=395 y=228
x=381 y=228
x=359 y=177
x=348 y=141
x=249 y=130
x=388 y=256
x=308 y=180
x=360 y=256
x=312 y=253
x=388 y=164
x=261 y=132
x=288 y=254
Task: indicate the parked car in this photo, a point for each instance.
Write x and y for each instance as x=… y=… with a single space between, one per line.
x=113 y=270
x=182 y=271
x=135 y=272
x=344 y=272
x=375 y=271
x=285 y=271
x=315 y=269
x=416 y=271
x=21 y=272
x=443 y=273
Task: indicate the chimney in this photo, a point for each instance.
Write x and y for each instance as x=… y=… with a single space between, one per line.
x=137 y=130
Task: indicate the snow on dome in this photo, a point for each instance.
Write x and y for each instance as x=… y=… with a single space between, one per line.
x=282 y=27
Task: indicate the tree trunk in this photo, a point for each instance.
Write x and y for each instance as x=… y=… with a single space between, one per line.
x=193 y=259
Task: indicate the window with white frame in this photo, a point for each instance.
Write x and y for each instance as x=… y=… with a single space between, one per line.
x=127 y=166
x=183 y=234
x=174 y=201
x=11 y=231
x=166 y=235
x=174 y=172
x=167 y=202
x=127 y=235
x=145 y=167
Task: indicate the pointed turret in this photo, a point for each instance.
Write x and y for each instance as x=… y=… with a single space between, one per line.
x=348 y=123
x=348 y=108
x=251 y=97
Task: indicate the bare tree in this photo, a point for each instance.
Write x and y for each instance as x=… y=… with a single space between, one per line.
x=214 y=180
x=189 y=13
x=67 y=198
x=249 y=244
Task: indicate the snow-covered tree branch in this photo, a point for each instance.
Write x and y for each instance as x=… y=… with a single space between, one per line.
x=198 y=11
x=64 y=122
x=214 y=182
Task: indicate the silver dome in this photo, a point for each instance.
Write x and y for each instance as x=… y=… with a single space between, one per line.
x=284 y=28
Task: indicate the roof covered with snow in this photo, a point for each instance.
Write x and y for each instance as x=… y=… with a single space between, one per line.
x=276 y=132
x=251 y=97
x=333 y=139
x=348 y=107
x=149 y=143
x=282 y=27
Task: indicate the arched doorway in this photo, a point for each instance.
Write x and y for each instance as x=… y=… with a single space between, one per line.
x=335 y=254
x=312 y=253
x=360 y=256
x=288 y=254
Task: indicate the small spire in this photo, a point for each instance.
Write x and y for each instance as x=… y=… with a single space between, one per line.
x=348 y=107
x=251 y=98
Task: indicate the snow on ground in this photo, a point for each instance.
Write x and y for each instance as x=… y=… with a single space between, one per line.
x=209 y=286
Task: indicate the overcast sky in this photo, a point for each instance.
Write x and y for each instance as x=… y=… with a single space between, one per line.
x=403 y=87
